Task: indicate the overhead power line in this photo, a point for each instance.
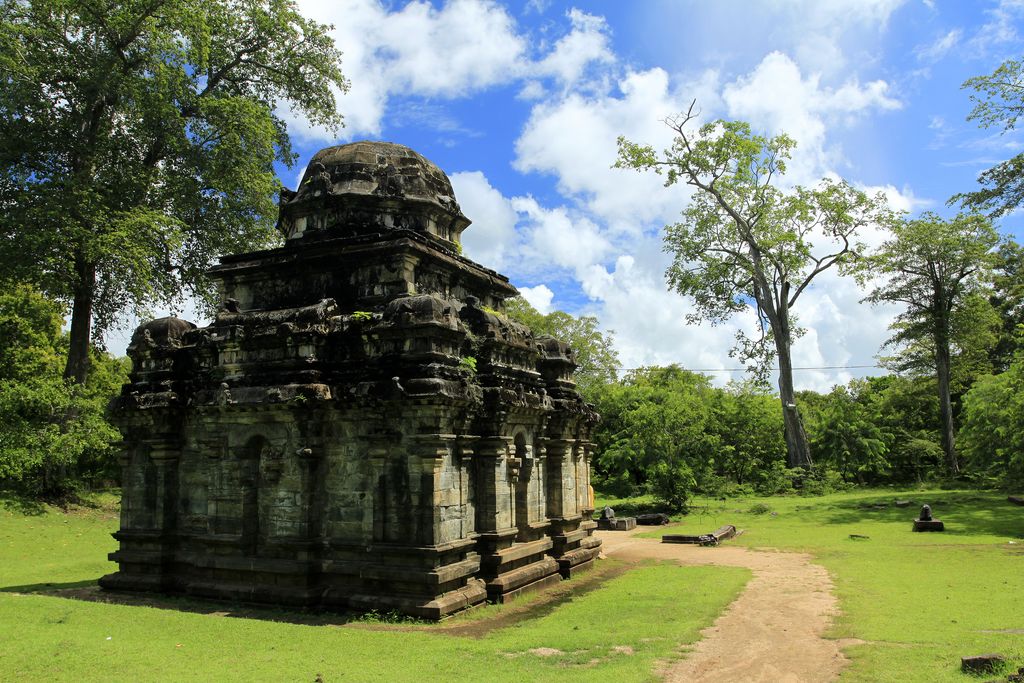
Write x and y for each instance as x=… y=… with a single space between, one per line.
x=822 y=367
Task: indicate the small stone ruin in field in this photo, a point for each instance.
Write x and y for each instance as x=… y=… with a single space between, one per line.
x=360 y=426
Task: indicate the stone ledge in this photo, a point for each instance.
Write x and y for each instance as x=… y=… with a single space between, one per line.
x=516 y=552
x=433 y=608
x=572 y=536
x=517 y=578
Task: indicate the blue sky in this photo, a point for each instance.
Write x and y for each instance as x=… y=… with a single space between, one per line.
x=521 y=103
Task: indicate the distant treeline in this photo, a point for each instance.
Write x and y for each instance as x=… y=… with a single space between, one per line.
x=669 y=432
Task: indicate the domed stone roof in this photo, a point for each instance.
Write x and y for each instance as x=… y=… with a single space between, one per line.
x=389 y=180
x=161 y=331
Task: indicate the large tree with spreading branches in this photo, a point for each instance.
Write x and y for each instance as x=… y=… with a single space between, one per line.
x=744 y=242
x=138 y=139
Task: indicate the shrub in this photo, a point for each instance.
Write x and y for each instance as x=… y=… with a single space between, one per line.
x=776 y=479
x=671 y=483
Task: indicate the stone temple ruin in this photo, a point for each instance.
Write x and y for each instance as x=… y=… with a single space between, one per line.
x=360 y=427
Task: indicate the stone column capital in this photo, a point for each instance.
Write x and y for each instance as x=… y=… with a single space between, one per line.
x=433 y=446
x=493 y=447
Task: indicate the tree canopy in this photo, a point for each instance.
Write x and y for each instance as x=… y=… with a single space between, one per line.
x=936 y=269
x=137 y=141
x=998 y=102
x=1007 y=298
x=992 y=435
x=746 y=243
x=847 y=435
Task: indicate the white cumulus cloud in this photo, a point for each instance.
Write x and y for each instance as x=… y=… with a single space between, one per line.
x=540 y=297
x=777 y=97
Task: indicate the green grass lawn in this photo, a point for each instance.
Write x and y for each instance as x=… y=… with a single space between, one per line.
x=614 y=633
x=920 y=600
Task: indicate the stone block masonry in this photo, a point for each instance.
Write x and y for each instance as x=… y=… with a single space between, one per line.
x=360 y=426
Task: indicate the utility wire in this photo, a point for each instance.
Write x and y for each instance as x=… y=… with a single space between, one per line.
x=823 y=367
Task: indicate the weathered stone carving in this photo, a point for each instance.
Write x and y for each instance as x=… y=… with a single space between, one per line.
x=925 y=521
x=360 y=426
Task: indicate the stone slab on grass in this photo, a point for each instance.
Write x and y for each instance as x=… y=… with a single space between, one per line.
x=982 y=663
x=722 y=533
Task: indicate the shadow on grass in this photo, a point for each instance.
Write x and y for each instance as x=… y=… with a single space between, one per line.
x=22 y=505
x=70 y=501
x=89 y=591
x=964 y=512
x=47 y=587
x=474 y=623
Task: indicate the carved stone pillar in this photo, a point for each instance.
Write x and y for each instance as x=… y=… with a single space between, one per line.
x=465 y=460
x=311 y=508
x=436 y=494
x=165 y=459
x=587 y=499
x=377 y=454
x=148 y=543
x=561 y=494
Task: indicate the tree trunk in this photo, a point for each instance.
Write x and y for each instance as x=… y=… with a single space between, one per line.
x=77 y=368
x=798 y=452
x=945 y=403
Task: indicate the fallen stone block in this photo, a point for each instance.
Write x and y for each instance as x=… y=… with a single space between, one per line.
x=981 y=663
x=653 y=519
x=616 y=523
x=720 y=534
x=1016 y=500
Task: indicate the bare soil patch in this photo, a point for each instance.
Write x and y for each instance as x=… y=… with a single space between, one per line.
x=773 y=632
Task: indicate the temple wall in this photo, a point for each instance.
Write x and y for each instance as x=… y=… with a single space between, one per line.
x=360 y=427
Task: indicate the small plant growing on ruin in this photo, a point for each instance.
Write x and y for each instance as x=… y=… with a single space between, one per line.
x=362 y=316
x=469 y=363
x=494 y=312
x=389 y=617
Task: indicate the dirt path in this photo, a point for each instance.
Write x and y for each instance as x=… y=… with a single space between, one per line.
x=772 y=632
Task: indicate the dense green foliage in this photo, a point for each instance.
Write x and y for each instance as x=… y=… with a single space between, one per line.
x=992 y=435
x=671 y=433
x=52 y=432
x=668 y=431
x=1007 y=298
x=137 y=142
x=847 y=436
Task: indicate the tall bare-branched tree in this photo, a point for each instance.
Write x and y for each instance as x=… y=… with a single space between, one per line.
x=744 y=242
